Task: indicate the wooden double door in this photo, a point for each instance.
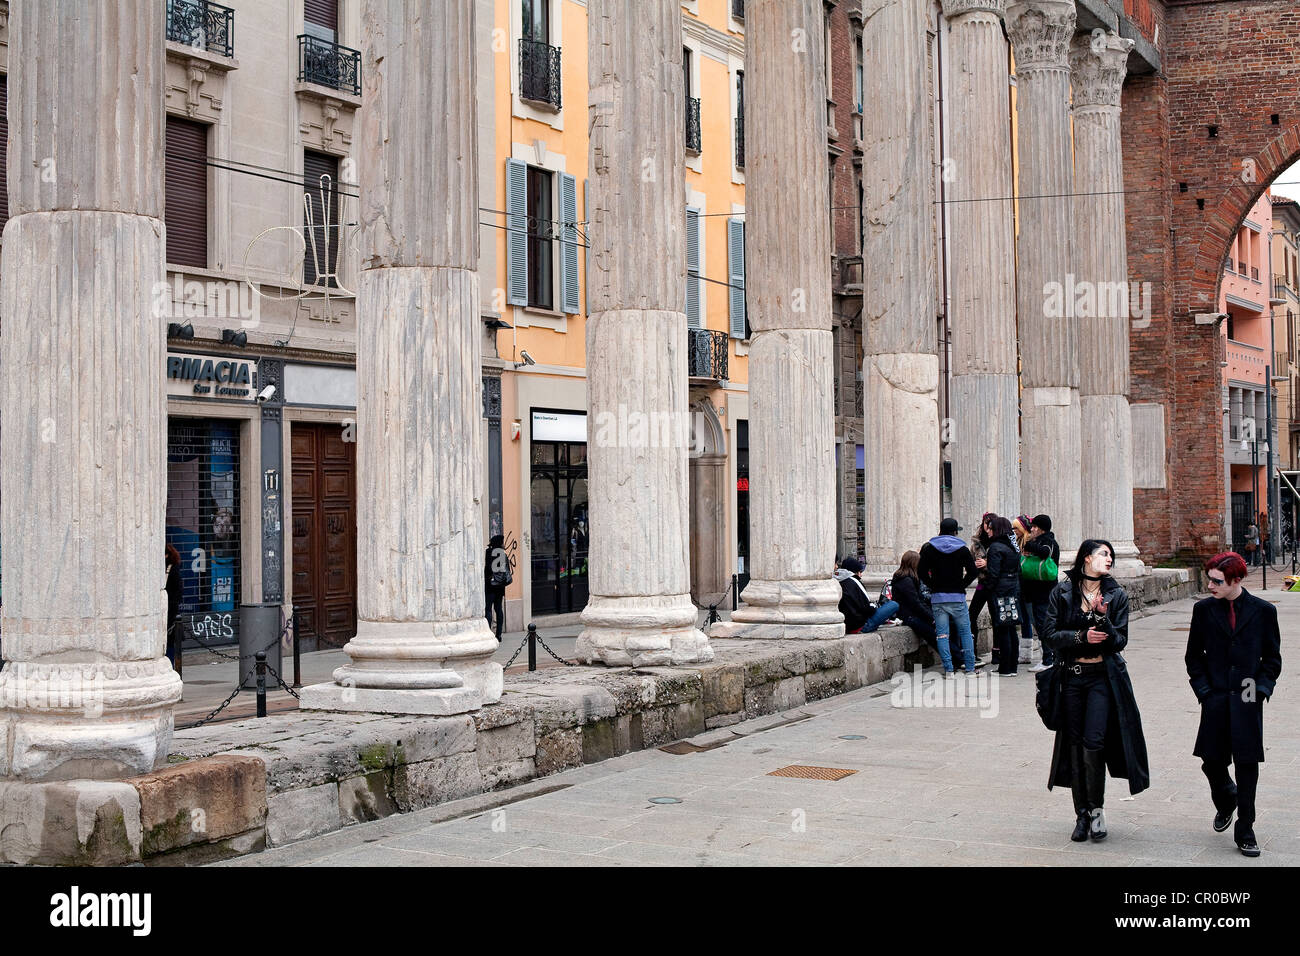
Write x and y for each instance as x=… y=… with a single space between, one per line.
x=324 y=532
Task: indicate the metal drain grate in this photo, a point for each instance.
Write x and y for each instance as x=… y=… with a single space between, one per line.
x=812 y=773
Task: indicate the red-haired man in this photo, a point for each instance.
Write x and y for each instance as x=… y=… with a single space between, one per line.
x=1234 y=655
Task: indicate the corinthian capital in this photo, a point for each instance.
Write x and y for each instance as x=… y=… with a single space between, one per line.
x=1098 y=65
x=1040 y=33
x=952 y=9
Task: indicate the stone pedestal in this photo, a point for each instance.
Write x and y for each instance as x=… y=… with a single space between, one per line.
x=640 y=611
x=1050 y=450
x=792 y=418
x=423 y=645
x=984 y=435
x=901 y=368
x=87 y=692
x=1098 y=66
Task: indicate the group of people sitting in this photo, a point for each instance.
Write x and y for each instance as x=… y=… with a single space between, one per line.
x=928 y=591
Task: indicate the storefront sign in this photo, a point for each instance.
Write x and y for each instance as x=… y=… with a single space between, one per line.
x=208 y=376
x=559 y=426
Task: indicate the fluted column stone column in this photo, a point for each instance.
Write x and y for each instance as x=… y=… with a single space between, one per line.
x=1050 y=448
x=1098 y=66
x=640 y=610
x=792 y=418
x=422 y=643
x=901 y=368
x=87 y=692
x=985 y=401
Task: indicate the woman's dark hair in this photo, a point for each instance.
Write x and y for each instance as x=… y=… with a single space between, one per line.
x=908 y=564
x=1088 y=547
x=497 y=541
x=981 y=535
x=1000 y=527
x=173 y=556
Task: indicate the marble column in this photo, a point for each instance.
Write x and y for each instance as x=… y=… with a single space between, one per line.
x=984 y=432
x=1050 y=446
x=901 y=368
x=640 y=610
x=87 y=692
x=1098 y=66
x=792 y=416
x=422 y=643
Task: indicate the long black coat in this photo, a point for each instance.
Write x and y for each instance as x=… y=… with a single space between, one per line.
x=1003 y=569
x=1231 y=673
x=1066 y=632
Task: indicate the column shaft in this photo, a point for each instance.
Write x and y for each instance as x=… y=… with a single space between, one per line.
x=1050 y=440
x=88 y=692
x=792 y=416
x=983 y=436
x=422 y=644
x=1099 y=65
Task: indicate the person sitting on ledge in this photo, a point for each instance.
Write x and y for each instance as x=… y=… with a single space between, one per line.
x=861 y=616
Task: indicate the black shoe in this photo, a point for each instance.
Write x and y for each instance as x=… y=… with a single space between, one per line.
x=1223 y=820
x=1247 y=845
x=1080 y=834
x=1098 y=824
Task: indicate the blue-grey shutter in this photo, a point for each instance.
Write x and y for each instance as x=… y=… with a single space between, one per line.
x=517 y=232
x=569 y=242
x=736 y=275
x=693 y=267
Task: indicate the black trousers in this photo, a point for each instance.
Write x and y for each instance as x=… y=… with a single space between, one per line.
x=977 y=604
x=923 y=628
x=1226 y=794
x=1087 y=705
x=496 y=601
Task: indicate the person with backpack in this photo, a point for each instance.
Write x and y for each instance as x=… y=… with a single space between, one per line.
x=861 y=615
x=1004 y=596
x=497 y=576
x=1039 y=575
x=947 y=568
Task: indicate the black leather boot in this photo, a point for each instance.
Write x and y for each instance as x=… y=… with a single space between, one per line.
x=1094 y=772
x=1079 y=790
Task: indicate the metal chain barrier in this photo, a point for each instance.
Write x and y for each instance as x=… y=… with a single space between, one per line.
x=552 y=653
x=280 y=681
x=522 y=645
x=238 y=688
x=239 y=684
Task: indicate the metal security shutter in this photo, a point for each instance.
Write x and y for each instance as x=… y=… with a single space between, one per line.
x=736 y=278
x=204 y=525
x=693 y=267
x=4 y=150
x=187 y=193
x=323 y=13
x=321 y=243
x=516 y=232
x=569 y=242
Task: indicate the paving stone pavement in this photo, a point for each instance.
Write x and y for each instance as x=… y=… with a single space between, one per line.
x=950 y=786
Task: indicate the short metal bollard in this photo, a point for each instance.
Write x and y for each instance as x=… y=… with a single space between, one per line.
x=735 y=591
x=532 y=647
x=297 y=662
x=259 y=664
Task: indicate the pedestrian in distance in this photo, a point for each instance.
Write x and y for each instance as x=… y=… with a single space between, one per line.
x=1004 y=593
x=1234 y=657
x=1252 y=544
x=861 y=614
x=947 y=568
x=173 y=589
x=913 y=598
x=1040 y=543
x=1087 y=627
x=497 y=576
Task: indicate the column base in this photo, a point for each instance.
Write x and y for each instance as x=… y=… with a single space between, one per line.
x=786 y=610
x=341 y=697
x=650 y=631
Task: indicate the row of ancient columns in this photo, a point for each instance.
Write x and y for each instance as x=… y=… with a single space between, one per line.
x=83 y=472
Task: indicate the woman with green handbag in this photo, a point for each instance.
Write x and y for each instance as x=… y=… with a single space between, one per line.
x=1040 y=568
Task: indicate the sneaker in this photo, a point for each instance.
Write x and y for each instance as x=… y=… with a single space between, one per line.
x=1223 y=820
x=1039 y=668
x=949 y=675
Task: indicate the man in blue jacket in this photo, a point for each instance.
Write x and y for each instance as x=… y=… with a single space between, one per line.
x=947 y=568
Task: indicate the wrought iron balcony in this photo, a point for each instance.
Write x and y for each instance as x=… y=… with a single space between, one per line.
x=693 y=136
x=1280 y=289
x=329 y=64
x=738 y=9
x=740 y=142
x=202 y=25
x=539 y=72
x=708 y=353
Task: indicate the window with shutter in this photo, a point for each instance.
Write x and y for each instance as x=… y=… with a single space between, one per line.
x=516 y=232
x=323 y=14
x=541 y=235
x=320 y=174
x=736 y=278
x=186 y=185
x=693 y=268
x=569 y=243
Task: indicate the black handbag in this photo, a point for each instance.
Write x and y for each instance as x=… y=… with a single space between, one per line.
x=1048 y=700
x=1005 y=610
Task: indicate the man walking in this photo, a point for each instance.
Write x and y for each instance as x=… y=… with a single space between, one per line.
x=1234 y=655
x=947 y=568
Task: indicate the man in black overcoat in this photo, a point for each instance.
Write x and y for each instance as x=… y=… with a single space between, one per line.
x=1234 y=656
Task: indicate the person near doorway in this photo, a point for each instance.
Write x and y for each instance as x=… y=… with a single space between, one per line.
x=1252 y=544
x=173 y=589
x=1234 y=657
x=497 y=576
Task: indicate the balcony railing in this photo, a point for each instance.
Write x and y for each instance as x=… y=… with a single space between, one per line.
x=329 y=64
x=1279 y=289
x=202 y=25
x=707 y=352
x=738 y=9
x=693 y=135
x=740 y=142
x=539 y=72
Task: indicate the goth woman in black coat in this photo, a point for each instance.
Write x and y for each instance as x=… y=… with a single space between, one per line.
x=1003 y=570
x=1087 y=626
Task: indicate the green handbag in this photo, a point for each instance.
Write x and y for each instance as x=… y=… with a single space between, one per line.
x=1034 y=568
